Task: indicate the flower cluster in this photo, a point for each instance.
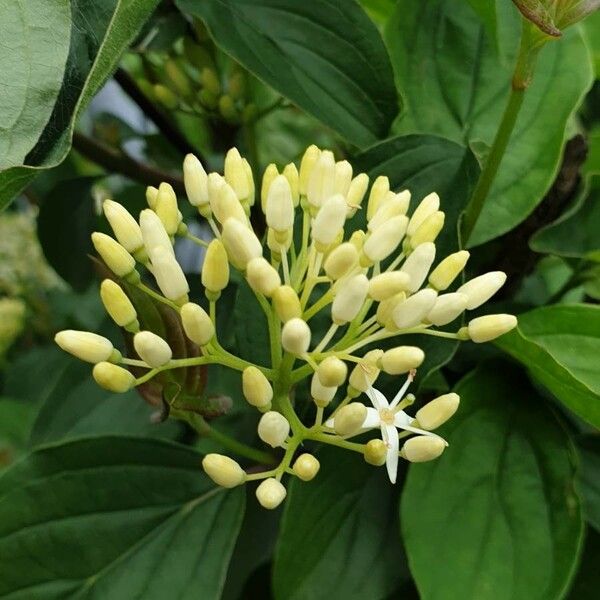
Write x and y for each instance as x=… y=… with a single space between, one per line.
x=376 y=283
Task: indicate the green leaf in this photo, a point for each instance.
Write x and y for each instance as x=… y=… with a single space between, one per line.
x=120 y=518
x=496 y=517
x=328 y=59
x=338 y=534
x=587 y=582
x=560 y=345
x=589 y=479
x=459 y=87
x=16 y=419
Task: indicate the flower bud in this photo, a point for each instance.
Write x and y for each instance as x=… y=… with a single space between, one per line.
x=151 y=195
x=236 y=175
x=165 y=96
x=262 y=276
x=437 y=412
x=280 y=206
x=356 y=193
x=241 y=243
x=215 y=269
x=273 y=428
x=349 y=299
x=429 y=229
x=197 y=324
x=490 y=327
x=152 y=349
x=117 y=259
x=375 y=452
x=417 y=265
x=392 y=205
x=332 y=372
x=256 y=387
x=321 y=184
x=343 y=177
x=195 y=181
x=309 y=160
x=286 y=303
x=385 y=239
x=357 y=239
x=125 y=227
x=422 y=448
x=329 y=221
x=340 y=260
x=224 y=471
x=118 y=305
x=446 y=308
x=402 y=359
x=482 y=288
x=427 y=206
x=386 y=308
x=366 y=371
x=270 y=493
x=386 y=285
x=350 y=418
x=414 y=309
x=268 y=177
x=321 y=394
x=290 y=172
x=214 y=183
x=448 y=270
x=154 y=233
x=306 y=467
x=295 y=336
x=249 y=201
x=226 y=205
x=87 y=346
x=166 y=208
x=169 y=276
x=113 y=378
x=380 y=187
x=279 y=242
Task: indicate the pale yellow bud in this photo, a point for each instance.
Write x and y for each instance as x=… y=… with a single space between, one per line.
x=380 y=187
x=154 y=233
x=306 y=467
x=356 y=193
x=340 y=260
x=268 y=177
x=349 y=299
x=343 y=177
x=375 y=452
x=197 y=324
x=309 y=160
x=113 y=378
x=152 y=349
x=151 y=195
x=256 y=387
x=422 y=448
x=446 y=308
x=490 y=327
x=169 y=276
x=262 y=276
x=214 y=183
x=280 y=206
x=402 y=359
x=166 y=208
x=273 y=428
x=270 y=493
x=414 y=309
x=448 y=270
x=417 y=265
x=332 y=372
x=118 y=305
x=226 y=205
x=321 y=394
x=366 y=371
x=427 y=206
x=279 y=242
x=87 y=346
x=290 y=172
x=286 y=303
x=357 y=239
x=392 y=205
x=350 y=418
x=385 y=239
x=125 y=227
x=295 y=336
x=482 y=288
x=250 y=179
x=224 y=471
x=386 y=285
x=386 y=309
x=215 y=269
x=321 y=184
x=329 y=221
x=437 y=412
x=117 y=259
x=195 y=181
x=236 y=175
x=429 y=229
x=241 y=243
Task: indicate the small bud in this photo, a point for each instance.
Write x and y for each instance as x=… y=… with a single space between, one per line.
x=295 y=336
x=366 y=371
x=490 y=327
x=169 y=276
x=250 y=178
x=151 y=195
x=386 y=309
x=349 y=299
x=446 y=308
x=256 y=387
x=165 y=96
x=125 y=227
x=195 y=180
x=356 y=193
x=422 y=448
x=429 y=229
x=321 y=394
x=306 y=467
x=375 y=452
x=117 y=259
x=438 y=411
x=166 y=208
x=226 y=205
x=273 y=428
x=215 y=269
x=117 y=304
x=392 y=205
x=380 y=187
x=332 y=372
x=224 y=471
x=427 y=206
x=154 y=233
x=386 y=285
x=340 y=260
x=414 y=309
x=262 y=276
x=286 y=303
x=268 y=177
x=290 y=172
x=152 y=349
x=448 y=270
x=197 y=324
x=270 y=493
x=385 y=239
x=214 y=182
x=177 y=78
x=417 y=265
x=349 y=419
x=402 y=359
x=329 y=221
x=210 y=80
x=322 y=180
x=279 y=242
x=227 y=108
x=236 y=176
x=113 y=378
x=241 y=243
x=87 y=346
x=482 y=288
x=309 y=160
x=343 y=177
x=280 y=206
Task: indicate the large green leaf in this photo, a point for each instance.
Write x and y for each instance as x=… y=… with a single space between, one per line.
x=328 y=59
x=496 y=517
x=114 y=518
x=560 y=346
x=96 y=34
x=589 y=478
x=458 y=87
x=338 y=534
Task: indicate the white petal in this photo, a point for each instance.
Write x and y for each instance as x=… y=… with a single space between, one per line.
x=372 y=419
x=393 y=443
x=421 y=432
x=378 y=400
x=402 y=391
x=402 y=419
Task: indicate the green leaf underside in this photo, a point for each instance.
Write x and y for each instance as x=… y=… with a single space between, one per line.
x=560 y=346
x=338 y=534
x=459 y=88
x=120 y=518
x=327 y=58
x=499 y=506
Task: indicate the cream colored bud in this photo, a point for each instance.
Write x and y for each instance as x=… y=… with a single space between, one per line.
x=357 y=239
x=169 y=276
x=125 y=227
x=448 y=270
x=270 y=493
x=214 y=183
x=366 y=371
x=154 y=233
x=427 y=206
x=418 y=263
x=279 y=242
x=290 y=172
x=340 y=260
x=295 y=336
x=309 y=160
x=402 y=359
x=332 y=372
x=226 y=205
x=256 y=387
x=429 y=229
x=166 y=208
x=215 y=269
x=280 y=206
x=306 y=467
x=268 y=177
x=250 y=180
x=329 y=221
x=356 y=193
x=197 y=324
x=151 y=195
x=490 y=327
x=241 y=243
x=321 y=394
x=273 y=428
x=422 y=448
x=321 y=184
x=117 y=304
x=375 y=452
x=386 y=285
x=343 y=177
x=195 y=181
x=414 y=309
x=392 y=205
x=385 y=239
x=152 y=349
x=350 y=418
x=236 y=175
x=117 y=259
x=380 y=187
x=262 y=276
x=224 y=471
x=113 y=378
x=386 y=308
x=286 y=303
x=482 y=288
x=349 y=299
x=438 y=411
x=446 y=308
x=87 y=346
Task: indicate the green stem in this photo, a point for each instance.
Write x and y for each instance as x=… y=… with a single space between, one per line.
x=148 y=290
x=335 y=441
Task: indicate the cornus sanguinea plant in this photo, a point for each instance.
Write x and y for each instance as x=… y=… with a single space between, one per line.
x=376 y=284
